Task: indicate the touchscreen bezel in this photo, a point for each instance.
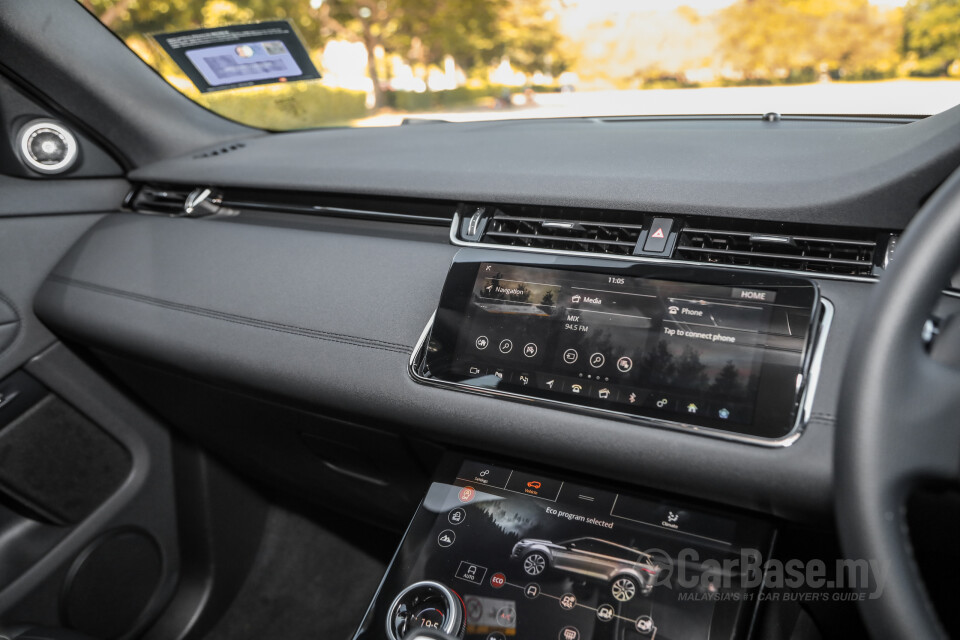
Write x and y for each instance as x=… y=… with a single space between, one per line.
x=792 y=290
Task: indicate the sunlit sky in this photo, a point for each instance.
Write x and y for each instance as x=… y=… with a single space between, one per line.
x=605 y=7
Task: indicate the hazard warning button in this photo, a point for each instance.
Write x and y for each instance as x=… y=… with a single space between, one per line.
x=658 y=235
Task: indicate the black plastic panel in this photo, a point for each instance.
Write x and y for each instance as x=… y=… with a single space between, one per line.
x=16 y=110
x=56 y=462
x=36 y=557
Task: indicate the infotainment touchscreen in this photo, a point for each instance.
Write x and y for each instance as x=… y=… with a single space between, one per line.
x=709 y=349
x=497 y=553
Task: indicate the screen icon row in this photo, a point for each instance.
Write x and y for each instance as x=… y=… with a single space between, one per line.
x=505 y=346
x=597 y=360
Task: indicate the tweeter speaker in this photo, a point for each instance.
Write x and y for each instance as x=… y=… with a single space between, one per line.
x=47 y=146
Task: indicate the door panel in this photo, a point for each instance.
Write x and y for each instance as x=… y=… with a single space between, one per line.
x=124 y=540
x=30 y=246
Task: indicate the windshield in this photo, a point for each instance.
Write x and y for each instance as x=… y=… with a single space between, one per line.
x=292 y=64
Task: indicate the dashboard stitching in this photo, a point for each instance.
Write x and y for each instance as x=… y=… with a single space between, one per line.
x=236 y=319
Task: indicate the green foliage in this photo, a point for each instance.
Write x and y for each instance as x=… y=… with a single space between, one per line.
x=803 y=75
x=297 y=105
x=141 y=17
x=777 y=39
x=451 y=99
x=530 y=37
x=422 y=32
x=932 y=36
x=667 y=82
x=761 y=41
x=470 y=32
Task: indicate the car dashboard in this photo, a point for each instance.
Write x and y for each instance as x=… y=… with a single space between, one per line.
x=629 y=333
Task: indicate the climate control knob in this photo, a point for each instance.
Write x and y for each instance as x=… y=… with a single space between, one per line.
x=425 y=605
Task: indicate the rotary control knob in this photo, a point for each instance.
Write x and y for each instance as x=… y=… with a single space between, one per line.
x=425 y=605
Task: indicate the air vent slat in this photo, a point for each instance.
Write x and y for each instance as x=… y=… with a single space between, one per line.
x=839 y=253
x=747 y=234
x=531 y=236
x=163 y=201
x=575 y=230
x=794 y=252
x=778 y=256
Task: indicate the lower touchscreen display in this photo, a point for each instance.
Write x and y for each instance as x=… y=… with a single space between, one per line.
x=531 y=557
x=724 y=351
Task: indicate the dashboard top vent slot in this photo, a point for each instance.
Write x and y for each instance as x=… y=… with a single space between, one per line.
x=576 y=231
x=219 y=151
x=841 y=256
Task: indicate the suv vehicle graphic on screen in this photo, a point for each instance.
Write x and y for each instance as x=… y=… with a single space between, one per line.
x=627 y=570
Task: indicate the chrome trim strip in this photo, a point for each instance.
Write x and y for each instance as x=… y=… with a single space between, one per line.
x=475 y=221
x=646 y=259
x=816 y=364
x=771 y=239
x=334 y=212
x=454 y=617
x=809 y=379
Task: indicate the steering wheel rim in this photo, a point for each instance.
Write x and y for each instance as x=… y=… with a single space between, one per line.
x=897 y=421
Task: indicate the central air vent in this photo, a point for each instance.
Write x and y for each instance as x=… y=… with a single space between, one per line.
x=568 y=234
x=837 y=252
x=159 y=200
x=854 y=257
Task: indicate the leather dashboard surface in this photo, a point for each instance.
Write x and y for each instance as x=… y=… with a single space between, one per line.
x=812 y=171
x=326 y=316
